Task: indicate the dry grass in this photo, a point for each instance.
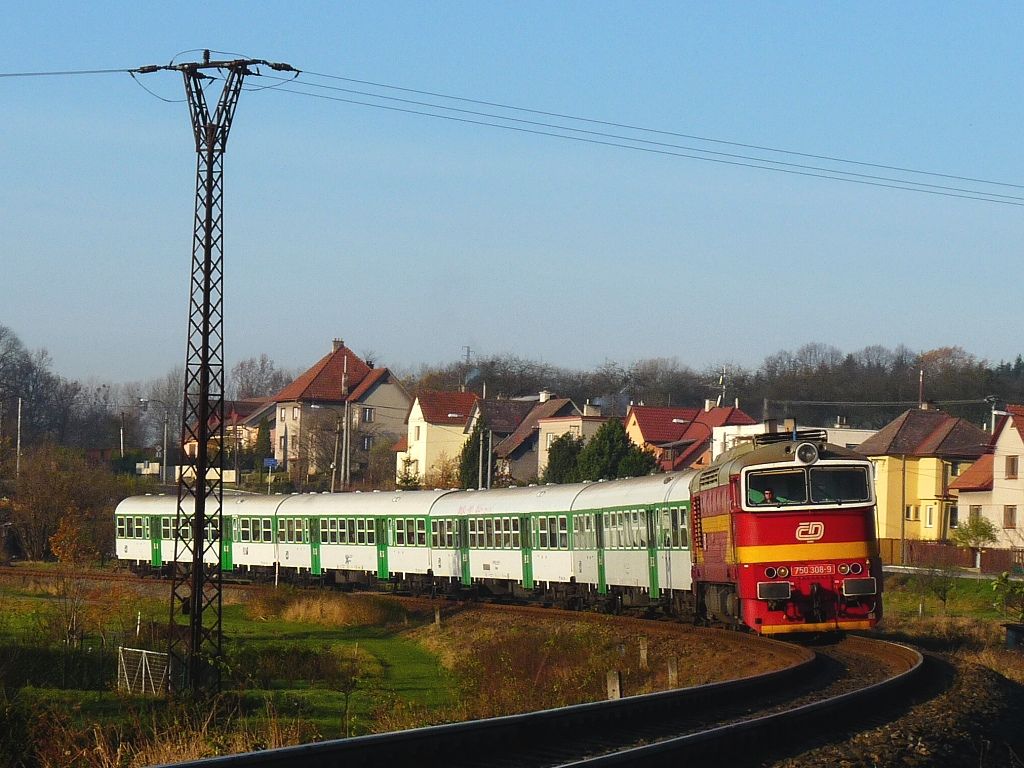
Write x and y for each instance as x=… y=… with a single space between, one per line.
x=324 y=608
x=968 y=640
x=186 y=735
x=507 y=664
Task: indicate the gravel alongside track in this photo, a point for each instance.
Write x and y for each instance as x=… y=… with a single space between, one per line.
x=976 y=723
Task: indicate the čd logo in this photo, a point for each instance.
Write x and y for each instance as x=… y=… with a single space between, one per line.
x=810 y=531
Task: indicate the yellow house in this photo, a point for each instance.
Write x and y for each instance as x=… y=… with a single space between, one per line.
x=916 y=457
x=435 y=436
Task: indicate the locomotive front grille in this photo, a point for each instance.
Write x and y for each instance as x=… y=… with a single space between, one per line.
x=773 y=590
x=859 y=587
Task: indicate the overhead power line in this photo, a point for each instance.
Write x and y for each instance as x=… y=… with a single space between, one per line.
x=612 y=124
x=668 y=145
x=598 y=137
x=873 y=404
x=68 y=72
x=760 y=164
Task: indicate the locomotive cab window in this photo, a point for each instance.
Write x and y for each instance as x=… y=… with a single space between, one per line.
x=839 y=484
x=821 y=484
x=777 y=487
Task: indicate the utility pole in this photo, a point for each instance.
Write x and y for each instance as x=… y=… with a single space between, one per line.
x=195 y=647
x=17 y=449
x=337 y=437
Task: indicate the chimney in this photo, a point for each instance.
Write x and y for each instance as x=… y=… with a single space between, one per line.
x=589 y=409
x=544 y=396
x=771 y=426
x=841 y=422
x=708 y=405
x=337 y=344
x=789 y=425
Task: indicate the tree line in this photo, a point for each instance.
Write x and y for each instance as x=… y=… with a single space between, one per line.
x=817 y=384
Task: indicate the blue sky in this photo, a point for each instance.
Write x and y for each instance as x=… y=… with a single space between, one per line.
x=412 y=237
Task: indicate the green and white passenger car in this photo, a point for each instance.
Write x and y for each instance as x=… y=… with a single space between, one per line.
x=583 y=543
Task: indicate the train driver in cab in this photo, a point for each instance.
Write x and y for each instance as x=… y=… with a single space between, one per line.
x=764 y=497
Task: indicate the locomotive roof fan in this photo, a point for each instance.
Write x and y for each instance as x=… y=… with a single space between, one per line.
x=806 y=453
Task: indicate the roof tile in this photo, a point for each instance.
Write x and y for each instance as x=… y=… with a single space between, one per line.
x=446 y=407
x=978 y=477
x=919 y=432
x=323 y=382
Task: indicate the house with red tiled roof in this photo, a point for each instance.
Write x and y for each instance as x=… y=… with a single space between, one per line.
x=241 y=425
x=517 y=454
x=680 y=437
x=993 y=487
x=310 y=413
x=917 y=456
x=435 y=434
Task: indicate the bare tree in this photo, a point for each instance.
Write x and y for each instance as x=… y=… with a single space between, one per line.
x=257 y=377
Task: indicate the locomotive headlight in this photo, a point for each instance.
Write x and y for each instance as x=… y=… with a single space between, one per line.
x=856 y=568
x=770 y=572
x=806 y=453
x=843 y=569
x=782 y=571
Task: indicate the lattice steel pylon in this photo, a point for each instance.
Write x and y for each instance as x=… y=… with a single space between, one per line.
x=195 y=645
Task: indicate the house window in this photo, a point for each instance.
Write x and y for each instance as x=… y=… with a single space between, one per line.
x=574 y=430
x=912 y=513
x=1011 y=467
x=416 y=433
x=954 y=516
x=367 y=442
x=975 y=512
x=929 y=516
x=1009 y=516
x=295 y=413
x=367 y=415
x=280 y=442
x=282 y=413
x=954 y=469
x=549 y=440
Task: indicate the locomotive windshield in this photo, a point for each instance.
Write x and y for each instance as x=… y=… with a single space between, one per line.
x=783 y=487
x=839 y=484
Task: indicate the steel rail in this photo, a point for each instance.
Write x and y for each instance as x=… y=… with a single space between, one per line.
x=455 y=743
x=727 y=741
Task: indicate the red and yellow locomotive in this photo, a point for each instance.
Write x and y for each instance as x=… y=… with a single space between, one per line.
x=784 y=537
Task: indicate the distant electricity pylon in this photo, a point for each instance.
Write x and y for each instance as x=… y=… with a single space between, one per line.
x=195 y=647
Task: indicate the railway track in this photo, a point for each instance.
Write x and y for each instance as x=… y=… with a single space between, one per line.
x=740 y=721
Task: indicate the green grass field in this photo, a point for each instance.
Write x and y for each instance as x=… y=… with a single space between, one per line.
x=909 y=595
x=273 y=662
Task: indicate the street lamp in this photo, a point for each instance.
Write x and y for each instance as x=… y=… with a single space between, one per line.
x=337 y=439
x=144 y=402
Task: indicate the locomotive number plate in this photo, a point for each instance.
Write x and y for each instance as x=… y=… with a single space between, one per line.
x=825 y=569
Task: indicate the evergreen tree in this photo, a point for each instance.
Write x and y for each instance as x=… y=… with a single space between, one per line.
x=262 y=449
x=562 y=457
x=469 y=458
x=636 y=463
x=407 y=479
x=611 y=454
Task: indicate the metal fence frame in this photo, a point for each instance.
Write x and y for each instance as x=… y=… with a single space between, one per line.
x=141 y=672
